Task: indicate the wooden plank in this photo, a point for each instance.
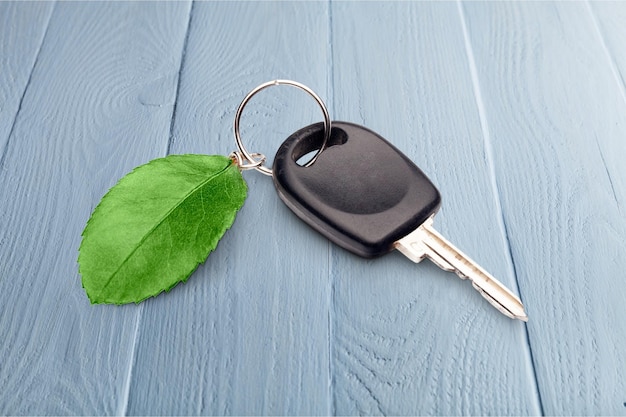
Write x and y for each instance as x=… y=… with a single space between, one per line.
x=22 y=28
x=248 y=333
x=608 y=18
x=414 y=339
x=99 y=102
x=557 y=120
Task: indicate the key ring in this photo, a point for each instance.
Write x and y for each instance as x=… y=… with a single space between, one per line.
x=257 y=160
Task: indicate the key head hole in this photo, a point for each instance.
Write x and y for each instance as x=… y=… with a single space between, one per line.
x=361 y=181
x=305 y=150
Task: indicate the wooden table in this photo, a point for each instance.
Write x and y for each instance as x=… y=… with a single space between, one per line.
x=517 y=112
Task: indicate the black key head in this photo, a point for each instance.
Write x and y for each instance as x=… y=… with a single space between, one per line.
x=361 y=193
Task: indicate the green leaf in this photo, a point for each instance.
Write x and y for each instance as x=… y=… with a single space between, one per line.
x=153 y=228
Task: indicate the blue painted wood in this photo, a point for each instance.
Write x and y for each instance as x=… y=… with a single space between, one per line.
x=248 y=334
x=412 y=339
x=22 y=28
x=516 y=111
x=98 y=103
x=556 y=116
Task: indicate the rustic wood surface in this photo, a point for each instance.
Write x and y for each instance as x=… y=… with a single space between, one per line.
x=516 y=111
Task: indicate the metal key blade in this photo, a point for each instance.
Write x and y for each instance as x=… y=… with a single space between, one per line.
x=426 y=242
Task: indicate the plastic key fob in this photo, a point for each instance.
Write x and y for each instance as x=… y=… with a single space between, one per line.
x=361 y=193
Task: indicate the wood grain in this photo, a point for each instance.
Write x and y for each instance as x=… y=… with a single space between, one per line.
x=557 y=117
x=248 y=334
x=414 y=339
x=608 y=19
x=83 y=123
x=22 y=28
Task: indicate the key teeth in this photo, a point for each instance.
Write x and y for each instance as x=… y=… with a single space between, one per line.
x=426 y=242
x=460 y=274
x=443 y=264
x=499 y=306
x=493 y=302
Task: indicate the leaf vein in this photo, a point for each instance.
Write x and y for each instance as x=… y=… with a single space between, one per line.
x=159 y=223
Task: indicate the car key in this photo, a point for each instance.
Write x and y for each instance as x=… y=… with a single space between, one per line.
x=367 y=197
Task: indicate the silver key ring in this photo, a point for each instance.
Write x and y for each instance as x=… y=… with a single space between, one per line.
x=247 y=160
